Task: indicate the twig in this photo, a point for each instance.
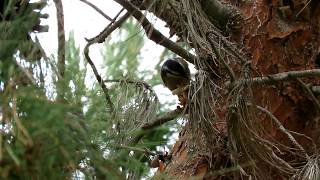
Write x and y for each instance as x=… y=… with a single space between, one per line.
x=147 y=127
x=97 y=9
x=99 y=39
x=301 y=10
x=99 y=79
x=162 y=119
x=116 y=17
x=309 y=91
x=285 y=76
x=108 y=30
x=120 y=21
x=154 y=34
x=307 y=137
x=284 y=130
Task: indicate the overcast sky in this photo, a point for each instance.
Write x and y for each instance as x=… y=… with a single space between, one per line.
x=85 y=22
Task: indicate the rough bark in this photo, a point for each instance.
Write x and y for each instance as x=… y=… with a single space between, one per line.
x=274 y=36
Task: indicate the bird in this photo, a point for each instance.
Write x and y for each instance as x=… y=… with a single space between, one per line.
x=176 y=76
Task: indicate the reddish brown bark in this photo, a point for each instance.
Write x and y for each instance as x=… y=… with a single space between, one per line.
x=276 y=41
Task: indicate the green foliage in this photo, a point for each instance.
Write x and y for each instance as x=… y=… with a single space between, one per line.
x=17 y=19
x=41 y=138
x=135 y=103
x=122 y=55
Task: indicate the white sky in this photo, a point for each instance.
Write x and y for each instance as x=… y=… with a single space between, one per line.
x=85 y=22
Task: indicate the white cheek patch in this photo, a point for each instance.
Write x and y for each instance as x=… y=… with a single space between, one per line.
x=170 y=72
x=173 y=76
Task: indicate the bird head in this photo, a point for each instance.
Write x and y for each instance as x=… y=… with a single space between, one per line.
x=175 y=73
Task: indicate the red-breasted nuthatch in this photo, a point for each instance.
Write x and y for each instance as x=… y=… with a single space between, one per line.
x=175 y=75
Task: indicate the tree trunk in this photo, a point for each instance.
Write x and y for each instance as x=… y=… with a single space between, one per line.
x=244 y=128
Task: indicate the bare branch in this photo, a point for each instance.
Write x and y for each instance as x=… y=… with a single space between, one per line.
x=154 y=34
x=162 y=119
x=97 y=9
x=99 y=39
x=147 y=127
x=285 y=76
x=116 y=17
x=108 y=30
x=99 y=79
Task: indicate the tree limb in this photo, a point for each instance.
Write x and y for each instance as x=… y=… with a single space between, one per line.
x=147 y=127
x=162 y=119
x=108 y=30
x=99 y=39
x=97 y=9
x=155 y=35
x=284 y=76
